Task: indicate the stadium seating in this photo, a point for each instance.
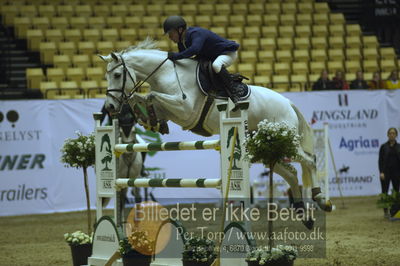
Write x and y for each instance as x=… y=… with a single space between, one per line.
x=284 y=44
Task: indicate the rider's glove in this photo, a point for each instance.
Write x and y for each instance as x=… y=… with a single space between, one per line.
x=171 y=56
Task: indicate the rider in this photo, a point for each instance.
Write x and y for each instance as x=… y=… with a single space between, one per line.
x=204 y=44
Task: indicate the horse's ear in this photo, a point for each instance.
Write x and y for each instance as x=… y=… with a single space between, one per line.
x=102 y=57
x=114 y=56
x=105 y=58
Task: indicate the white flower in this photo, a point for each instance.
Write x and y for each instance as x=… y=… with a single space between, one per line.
x=78 y=152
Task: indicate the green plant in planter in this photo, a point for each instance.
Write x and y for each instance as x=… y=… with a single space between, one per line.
x=124 y=246
x=136 y=249
x=81 y=246
x=200 y=250
x=282 y=254
x=272 y=143
x=80 y=153
x=77 y=238
x=388 y=200
x=139 y=241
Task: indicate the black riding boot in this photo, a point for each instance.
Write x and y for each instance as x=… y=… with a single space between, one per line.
x=230 y=88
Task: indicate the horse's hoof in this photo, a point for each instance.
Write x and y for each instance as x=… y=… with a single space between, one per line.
x=309 y=224
x=164 y=129
x=328 y=206
x=325 y=205
x=300 y=209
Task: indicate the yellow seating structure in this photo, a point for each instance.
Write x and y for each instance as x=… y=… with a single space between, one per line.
x=293 y=39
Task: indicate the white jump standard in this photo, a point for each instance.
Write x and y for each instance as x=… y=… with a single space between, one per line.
x=233 y=182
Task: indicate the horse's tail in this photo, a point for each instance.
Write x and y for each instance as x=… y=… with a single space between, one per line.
x=306 y=144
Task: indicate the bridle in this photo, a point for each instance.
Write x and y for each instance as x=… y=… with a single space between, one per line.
x=124 y=97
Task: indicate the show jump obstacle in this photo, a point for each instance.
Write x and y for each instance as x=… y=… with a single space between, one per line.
x=233 y=182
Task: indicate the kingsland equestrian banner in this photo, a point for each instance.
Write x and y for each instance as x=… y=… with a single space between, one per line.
x=33 y=180
x=358 y=122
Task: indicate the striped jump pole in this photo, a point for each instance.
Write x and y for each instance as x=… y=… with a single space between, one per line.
x=169 y=182
x=168 y=146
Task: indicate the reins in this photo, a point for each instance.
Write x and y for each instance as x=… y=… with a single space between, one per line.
x=140 y=83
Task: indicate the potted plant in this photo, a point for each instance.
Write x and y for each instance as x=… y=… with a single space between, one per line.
x=136 y=249
x=81 y=247
x=80 y=153
x=281 y=255
x=390 y=201
x=272 y=143
x=199 y=252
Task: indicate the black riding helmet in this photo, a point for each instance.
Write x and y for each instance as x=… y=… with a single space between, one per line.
x=174 y=22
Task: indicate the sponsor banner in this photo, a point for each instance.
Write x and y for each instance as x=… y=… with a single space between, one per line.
x=33 y=180
x=358 y=121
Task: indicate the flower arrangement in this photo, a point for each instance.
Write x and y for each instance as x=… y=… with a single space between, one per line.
x=265 y=255
x=388 y=200
x=137 y=241
x=124 y=246
x=81 y=246
x=77 y=238
x=200 y=250
x=80 y=153
x=272 y=142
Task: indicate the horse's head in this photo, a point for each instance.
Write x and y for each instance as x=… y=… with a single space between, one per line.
x=121 y=82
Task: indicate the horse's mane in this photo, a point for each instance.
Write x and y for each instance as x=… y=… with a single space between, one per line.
x=148 y=43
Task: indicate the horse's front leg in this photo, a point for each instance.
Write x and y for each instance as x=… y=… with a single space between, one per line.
x=310 y=173
x=136 y=100
x=290 y=176
x=148 y=118
x=173 y=104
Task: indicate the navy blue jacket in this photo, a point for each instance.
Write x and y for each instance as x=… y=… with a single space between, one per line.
x=204 y=44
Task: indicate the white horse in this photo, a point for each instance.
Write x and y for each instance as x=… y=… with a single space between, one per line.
x=176 y=96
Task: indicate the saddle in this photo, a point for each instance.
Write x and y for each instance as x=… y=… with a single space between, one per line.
x=211 y=84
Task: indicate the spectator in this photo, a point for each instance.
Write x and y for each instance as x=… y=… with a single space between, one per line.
x=323 y=83
x=376 y=83
x=339 y=82
x=359 y=83
x=389 y=163
x=393 y=81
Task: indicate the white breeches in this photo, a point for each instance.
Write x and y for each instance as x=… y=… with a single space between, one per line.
x=225 y=59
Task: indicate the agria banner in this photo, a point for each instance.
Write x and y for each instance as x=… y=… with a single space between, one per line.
x=358 y=122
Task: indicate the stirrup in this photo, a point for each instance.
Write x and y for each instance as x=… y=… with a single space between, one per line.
x=234 y=98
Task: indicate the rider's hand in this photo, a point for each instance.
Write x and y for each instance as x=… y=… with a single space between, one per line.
x=171 y=56
x=382 y=176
